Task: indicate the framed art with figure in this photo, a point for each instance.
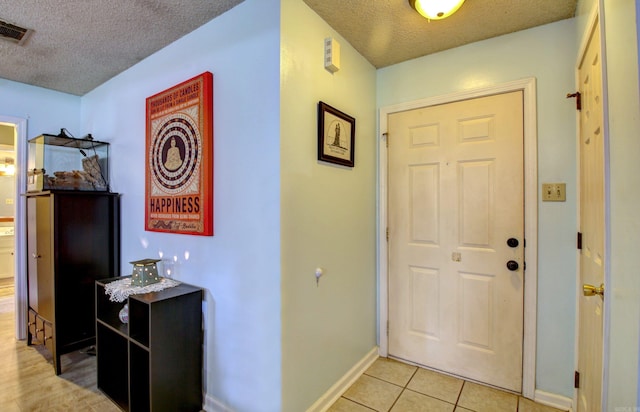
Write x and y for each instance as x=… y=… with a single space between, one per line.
x=179 y=158
x=336 y=136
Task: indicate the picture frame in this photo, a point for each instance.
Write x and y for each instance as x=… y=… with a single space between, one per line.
x=179 y=158
x=336 y=136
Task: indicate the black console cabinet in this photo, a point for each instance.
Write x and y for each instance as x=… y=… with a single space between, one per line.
x=153 y=363
x=73 y=239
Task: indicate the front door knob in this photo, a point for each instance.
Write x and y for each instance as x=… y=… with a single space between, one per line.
x=590 y=290
x=512 y=265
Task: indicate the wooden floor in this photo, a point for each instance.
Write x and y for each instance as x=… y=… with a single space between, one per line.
x=28 y=382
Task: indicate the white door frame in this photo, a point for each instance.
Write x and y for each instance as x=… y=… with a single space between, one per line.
x=528 y=87
x=20 y=145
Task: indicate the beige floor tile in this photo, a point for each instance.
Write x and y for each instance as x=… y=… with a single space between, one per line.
x=391 y=371
x=484 y=399
x=411 y=401
x=426 y=391
x=526 y=405
x=373 y=393
x=345 y=405
x=437 y=385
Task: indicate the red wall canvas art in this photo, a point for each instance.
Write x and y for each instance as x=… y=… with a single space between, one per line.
x=179 y=158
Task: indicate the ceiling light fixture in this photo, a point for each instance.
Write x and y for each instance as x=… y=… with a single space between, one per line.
x=436 y=9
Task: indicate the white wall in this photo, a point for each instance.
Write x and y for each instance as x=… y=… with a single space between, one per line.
x=328 y=213
x=548 y=54
x=239 y=267
x=46 y=111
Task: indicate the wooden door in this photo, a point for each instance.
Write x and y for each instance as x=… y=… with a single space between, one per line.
x=39 y=248
x=592 y=225
x=456 y=218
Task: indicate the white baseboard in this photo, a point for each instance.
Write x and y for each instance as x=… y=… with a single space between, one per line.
x=333 y=394
x=340 y=387
x=556 y=401
x=212 y=404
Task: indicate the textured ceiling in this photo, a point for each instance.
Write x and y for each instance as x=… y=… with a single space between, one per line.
x=79 y=44
x=387 y=32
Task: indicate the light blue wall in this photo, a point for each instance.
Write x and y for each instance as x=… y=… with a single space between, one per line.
x=547 y=53
x=328 y=213
x=240 y=266
x=46 y=111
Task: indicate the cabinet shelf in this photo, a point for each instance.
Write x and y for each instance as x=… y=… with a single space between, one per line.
x=153 y=363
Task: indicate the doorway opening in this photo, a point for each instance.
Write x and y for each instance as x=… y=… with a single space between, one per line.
x=7 y=217
x=12 y=219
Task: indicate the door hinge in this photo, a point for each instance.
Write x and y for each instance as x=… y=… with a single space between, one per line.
x=577 y=95
x=385 y=136
x=387 y=327
x=579 y=241
x=576 y=380
x=387 y=234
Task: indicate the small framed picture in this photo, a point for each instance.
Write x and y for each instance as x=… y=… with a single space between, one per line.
x=336 y=136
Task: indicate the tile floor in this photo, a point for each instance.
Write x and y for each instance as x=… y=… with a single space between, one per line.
x=389 y=385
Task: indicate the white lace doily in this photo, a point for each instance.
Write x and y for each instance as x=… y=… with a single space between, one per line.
x=120 y=290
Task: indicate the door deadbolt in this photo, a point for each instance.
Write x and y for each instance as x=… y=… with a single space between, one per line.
x=512 y=265
x=512 y=242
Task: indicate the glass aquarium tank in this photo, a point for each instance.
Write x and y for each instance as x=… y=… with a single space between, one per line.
x=60 y=162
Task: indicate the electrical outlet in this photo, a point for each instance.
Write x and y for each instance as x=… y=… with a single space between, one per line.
x=554 y=192
x=8 y=201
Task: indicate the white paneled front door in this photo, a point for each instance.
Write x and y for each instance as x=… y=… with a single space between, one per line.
x=456 y=238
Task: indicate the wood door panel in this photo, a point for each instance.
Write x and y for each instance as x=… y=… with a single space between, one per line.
x=476 y=183
x=476 y=311
x=425 y=302
x=424 y=210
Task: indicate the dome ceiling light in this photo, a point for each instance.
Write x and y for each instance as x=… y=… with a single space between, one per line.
x=436 y=9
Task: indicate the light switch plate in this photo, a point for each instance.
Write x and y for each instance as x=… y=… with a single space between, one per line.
x=554 y=192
